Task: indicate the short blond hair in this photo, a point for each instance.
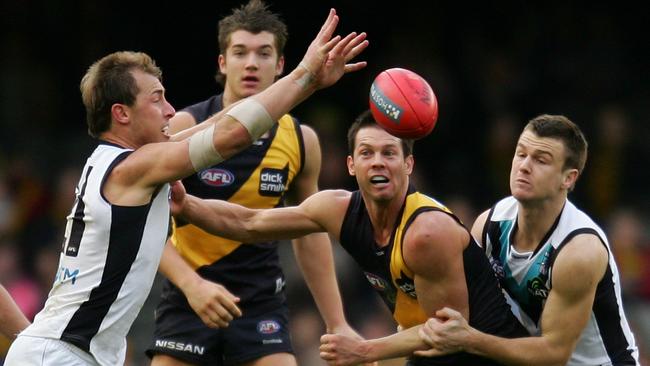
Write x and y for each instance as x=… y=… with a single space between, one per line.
x=109 y=81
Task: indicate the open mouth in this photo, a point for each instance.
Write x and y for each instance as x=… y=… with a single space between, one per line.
x=165 y=130
x=378 y=179
x=250 y=79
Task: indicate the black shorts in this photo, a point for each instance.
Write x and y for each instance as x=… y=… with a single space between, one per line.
x=180 y=333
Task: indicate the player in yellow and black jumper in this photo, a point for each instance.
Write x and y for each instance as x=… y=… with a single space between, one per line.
x=216 y=280
x=412 y=249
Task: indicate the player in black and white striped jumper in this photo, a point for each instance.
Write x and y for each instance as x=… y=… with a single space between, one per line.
x=120 y=220
x=553 y=261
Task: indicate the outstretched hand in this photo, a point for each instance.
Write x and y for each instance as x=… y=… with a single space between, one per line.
x=326 y=59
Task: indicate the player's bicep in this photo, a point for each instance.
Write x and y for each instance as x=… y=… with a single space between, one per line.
x=578 y=269
x=434 y=252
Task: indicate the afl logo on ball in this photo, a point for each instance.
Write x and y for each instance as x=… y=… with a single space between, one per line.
x=216 y=177
x=268 y=327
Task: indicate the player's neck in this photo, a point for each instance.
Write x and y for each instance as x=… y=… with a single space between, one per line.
x=383 y=216
x=534 y=220
x=119 y=140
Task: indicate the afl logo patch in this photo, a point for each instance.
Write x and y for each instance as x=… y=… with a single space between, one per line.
x=376 y=282
x=268 y=327
x=217 y=177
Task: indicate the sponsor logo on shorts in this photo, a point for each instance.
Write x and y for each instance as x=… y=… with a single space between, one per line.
x=268 y=327
x=180 y=346
x=217 y=177
x=271 y=341
x=273 y=181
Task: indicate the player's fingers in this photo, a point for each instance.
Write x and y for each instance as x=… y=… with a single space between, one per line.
x=428 y=353
x=356 y=50
x=355 y=42
x=343 y=44
x=328 y=27
x=328 y=46
x=355 y=66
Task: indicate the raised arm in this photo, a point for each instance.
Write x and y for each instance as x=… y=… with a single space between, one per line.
x=577 y=271
x=324 y=63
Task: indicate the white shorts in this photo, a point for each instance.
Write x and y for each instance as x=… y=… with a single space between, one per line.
x=36 y=351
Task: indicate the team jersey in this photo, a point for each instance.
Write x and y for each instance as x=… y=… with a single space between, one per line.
x=108 y=262
x=388 y=274
x=527 y=279
x=257 y=177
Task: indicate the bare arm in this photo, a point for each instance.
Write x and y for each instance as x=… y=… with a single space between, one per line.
x=433 y=251
x=314 y=252
x=12 y=319
x=319 y=213
x=213 y=303
x=577 y=271
x=343 y=350
x=324 y=63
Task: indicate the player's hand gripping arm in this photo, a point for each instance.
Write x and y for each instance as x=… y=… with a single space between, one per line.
x=577 y=271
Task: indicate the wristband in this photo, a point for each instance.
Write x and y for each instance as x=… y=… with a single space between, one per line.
x=253 y=116
x=202 y=151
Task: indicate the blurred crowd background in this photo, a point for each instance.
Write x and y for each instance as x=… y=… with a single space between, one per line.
x=493 y=67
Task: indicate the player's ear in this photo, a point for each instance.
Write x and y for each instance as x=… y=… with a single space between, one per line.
x=570 y=176
x=279 y=67
x=409 y=163
x=120 y=113
x=351 y=166
x=221 y=61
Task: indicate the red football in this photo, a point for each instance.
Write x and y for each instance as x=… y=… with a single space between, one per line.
x=403 y=103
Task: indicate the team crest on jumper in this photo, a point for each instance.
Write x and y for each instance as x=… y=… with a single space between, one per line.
x=273 y=181
x=537 y=288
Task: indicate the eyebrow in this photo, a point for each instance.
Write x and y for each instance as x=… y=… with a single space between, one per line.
x=535 y=150
x=264 y=46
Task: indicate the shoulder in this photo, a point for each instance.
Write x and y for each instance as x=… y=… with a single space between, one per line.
x=580 y=264
x=435 y=231
x=329 y=199
x=309 y=136
x=479 y=224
